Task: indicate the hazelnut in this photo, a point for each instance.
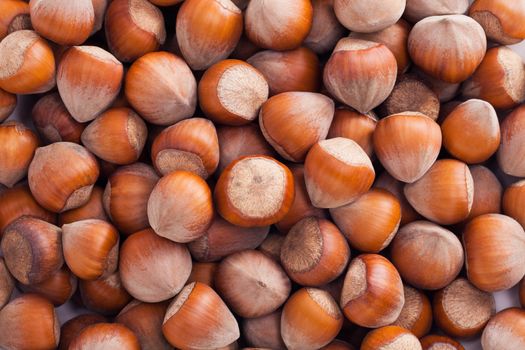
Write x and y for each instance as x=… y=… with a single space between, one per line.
x=360 y=73
x=8 y=102
x=511 y=153
x=53 y=121
x=32 y=249
x=207 y=39
x=223 y=238
x=134 y=28
x=394 y=37
x=58 y=188
x=387 y=182
x=153 y=268
x=252 y=284
x=15 y=16
x=161 y=88
x=337 y=171
x=93 y=209
x=278 y=24
x=302 y=206
x=437 y=342
x=426 y=255
x=29 y=322
x=494 y=246
x=185 y=217
x=239 y=141
x=272 y=245
x=500 y=20
x=513 y=201
x=18 y=148
x=483 y=137
x=26 y=53
x=444 y=90
x=307 y=117
x=72 y=328
x=416 y=10
x=126 y=196
x=372 y=294
x=231 y=92
x=461 y=310
x=505 y=330
x=254 y=191
x=371 y=221
x=245 y=48
x=264 y=331
x=64 y=22
x=458 y=50
x=407 y=144
x=326 y=29
x=444 y=194
x=105 y=295
x=416 y=315
x=354 y=126
x=7 y=284
x=203 y=272
x=310 y=319
x=499 y=79
x=99 y=9
x=190 y=145
x=292 y=70
x=117 y=136
x=488 y=192
x=17 y=202
x=390 y=338
x=88 y=80
x=145 y=320
x=198 y=304
x=314 y=252
x=90 y=248
x=368 y=16
x=105 y=335
x=58 y=289
x=412 y=94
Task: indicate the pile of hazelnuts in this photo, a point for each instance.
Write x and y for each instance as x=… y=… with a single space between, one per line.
x=261 y=174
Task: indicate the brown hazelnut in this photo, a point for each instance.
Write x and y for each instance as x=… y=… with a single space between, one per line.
x=8 y=101
x=310 y=319
x=58 y=188
x=105 y=295
x=354 y=126
x=190 y=145
x=90 y=248
x=29 y=322
x=126 y=196
x=437 y=342
x=513 y=201
x=32 y=249
x=145 y=320
x=88 y=80
x=505 y=330
x=93 y=209
x=203 y=272
x=223 y=238
x=18 y=148
x=494 y=252
x=7 y=284
x=72 y=328
x=371 y=221
x=153 y=268
x=161 y=88
x=458 y=50
x=500 y=20
x=326 y=29
x=387 y=182
x=207 y=31
x=510 y=152
x=426 y=255
x=15 y=16
x=264 y=331
x=252 y=284
x=278 y=25
x=54 y=122
x=185 y=217
x=292 y=70
x=372 y=294
x=58 y=288
x=416 y=315
x=368 y=16
x=198 y=304
x=461 y=310
x=390 y=338
x=360 y=73
x=416 y=10
x=487 y=192
x=254 y=191
x=134 y=28
x=444 y=194
x=105 y=335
